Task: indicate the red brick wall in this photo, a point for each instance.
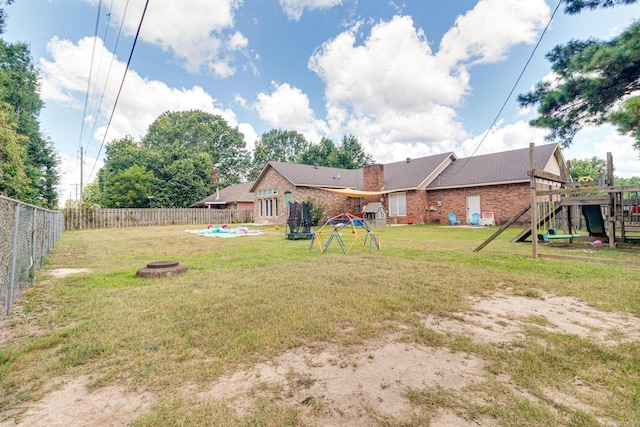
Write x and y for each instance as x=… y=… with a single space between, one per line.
x=503 y=200
x=244 y=205
x=416 y=208
x=333 y=204
x=373 y=177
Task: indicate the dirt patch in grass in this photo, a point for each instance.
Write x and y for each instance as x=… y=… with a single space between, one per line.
x=500 y=318
x=331 y=385
x=74 y=403
x=63 y=272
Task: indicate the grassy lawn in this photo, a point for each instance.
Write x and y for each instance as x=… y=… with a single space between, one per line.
x=250 y=300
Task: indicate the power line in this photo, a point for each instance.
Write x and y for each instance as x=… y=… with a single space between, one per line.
x=93 y=52
x=115 y=49
x=94 y=94
x=515 y=85
x=135 y=40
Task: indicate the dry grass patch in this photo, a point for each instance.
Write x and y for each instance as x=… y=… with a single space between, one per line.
x=261 y=331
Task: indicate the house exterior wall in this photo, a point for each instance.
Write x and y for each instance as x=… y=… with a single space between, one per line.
x=331 y=203
x=232 y=205
x=503 y=200
x=417 y=204
x=243 y=205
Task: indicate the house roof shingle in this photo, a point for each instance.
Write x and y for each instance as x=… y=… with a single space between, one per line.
x=431 y=172
x=316 y=176
x=232 y=194
x=495 y=168
x=414 y=173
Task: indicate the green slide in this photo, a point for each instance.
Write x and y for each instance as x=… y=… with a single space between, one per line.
x=595 y=222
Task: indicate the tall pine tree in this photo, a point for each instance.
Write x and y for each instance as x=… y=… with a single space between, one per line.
x=19 y=93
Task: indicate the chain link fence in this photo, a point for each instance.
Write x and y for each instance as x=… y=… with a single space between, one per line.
x=27 y=235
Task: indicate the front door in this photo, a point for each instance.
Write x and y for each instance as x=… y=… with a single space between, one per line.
x=473 y=206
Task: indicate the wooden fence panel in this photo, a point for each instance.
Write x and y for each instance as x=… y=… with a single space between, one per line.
x=119 y=218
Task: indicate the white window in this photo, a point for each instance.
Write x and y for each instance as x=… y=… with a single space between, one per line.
x=398 y=204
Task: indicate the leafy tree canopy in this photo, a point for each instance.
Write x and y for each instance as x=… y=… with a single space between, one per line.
x=278 y=145
x=348 y=155
x=576 y=6
x=587 y=168
x=13 y=180
x=201 y=132
x=592 y=77
x=30 y=173
x=130 y=188
x=181 y=160
x=90 y=195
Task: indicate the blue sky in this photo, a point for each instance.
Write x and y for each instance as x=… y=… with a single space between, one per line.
x=408 y=79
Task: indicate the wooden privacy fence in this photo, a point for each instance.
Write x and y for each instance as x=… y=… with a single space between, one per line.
x=119 y=218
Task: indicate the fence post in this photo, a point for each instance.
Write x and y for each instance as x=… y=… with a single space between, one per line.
x=34 y=229
x=14 y=255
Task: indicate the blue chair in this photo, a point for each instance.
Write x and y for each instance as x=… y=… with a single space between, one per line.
x=474 y=220
x=453 y=220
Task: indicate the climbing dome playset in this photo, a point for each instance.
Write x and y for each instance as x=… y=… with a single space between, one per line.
x=345 y=231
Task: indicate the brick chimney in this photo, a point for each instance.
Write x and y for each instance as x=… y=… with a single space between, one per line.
x=373 y=176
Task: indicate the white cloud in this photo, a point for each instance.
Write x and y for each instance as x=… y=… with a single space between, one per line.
x=491 y=28
x=392 y=89
x=238 y=41
x=141 y=101
x=295 y=8
x=64 y=80
x=503 y=138
x=192 y=30
x=288 y=108
x=597 y=142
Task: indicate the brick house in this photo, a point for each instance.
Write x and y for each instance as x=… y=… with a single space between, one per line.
x=497 y=183
x=413 y=191
x=400 y=186
x=237 y=196
x=282 y=183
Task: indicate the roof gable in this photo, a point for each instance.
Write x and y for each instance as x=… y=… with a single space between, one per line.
x=499 y=168
x=230 y=194
x=417 y=173
x=314 y=176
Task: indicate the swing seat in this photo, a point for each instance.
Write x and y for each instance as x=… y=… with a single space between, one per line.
x=545 y=237
x=562 y=236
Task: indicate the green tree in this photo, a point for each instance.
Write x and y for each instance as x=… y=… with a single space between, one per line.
x=129 y=188
x=576 y=6
x=634 y=180
x=202 y=132
x=593 y=77
x=13 y=180
x=177 y=154
x=277 y=145
x=351 y=155
x=19 y=88
x=91 y=194
x=183 y=178
x=587 y=167
x=322 y=154
x=348 y=155
x=627 y=119
x=120 y=155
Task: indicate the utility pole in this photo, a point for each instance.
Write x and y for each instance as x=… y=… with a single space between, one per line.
x=81 y=173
